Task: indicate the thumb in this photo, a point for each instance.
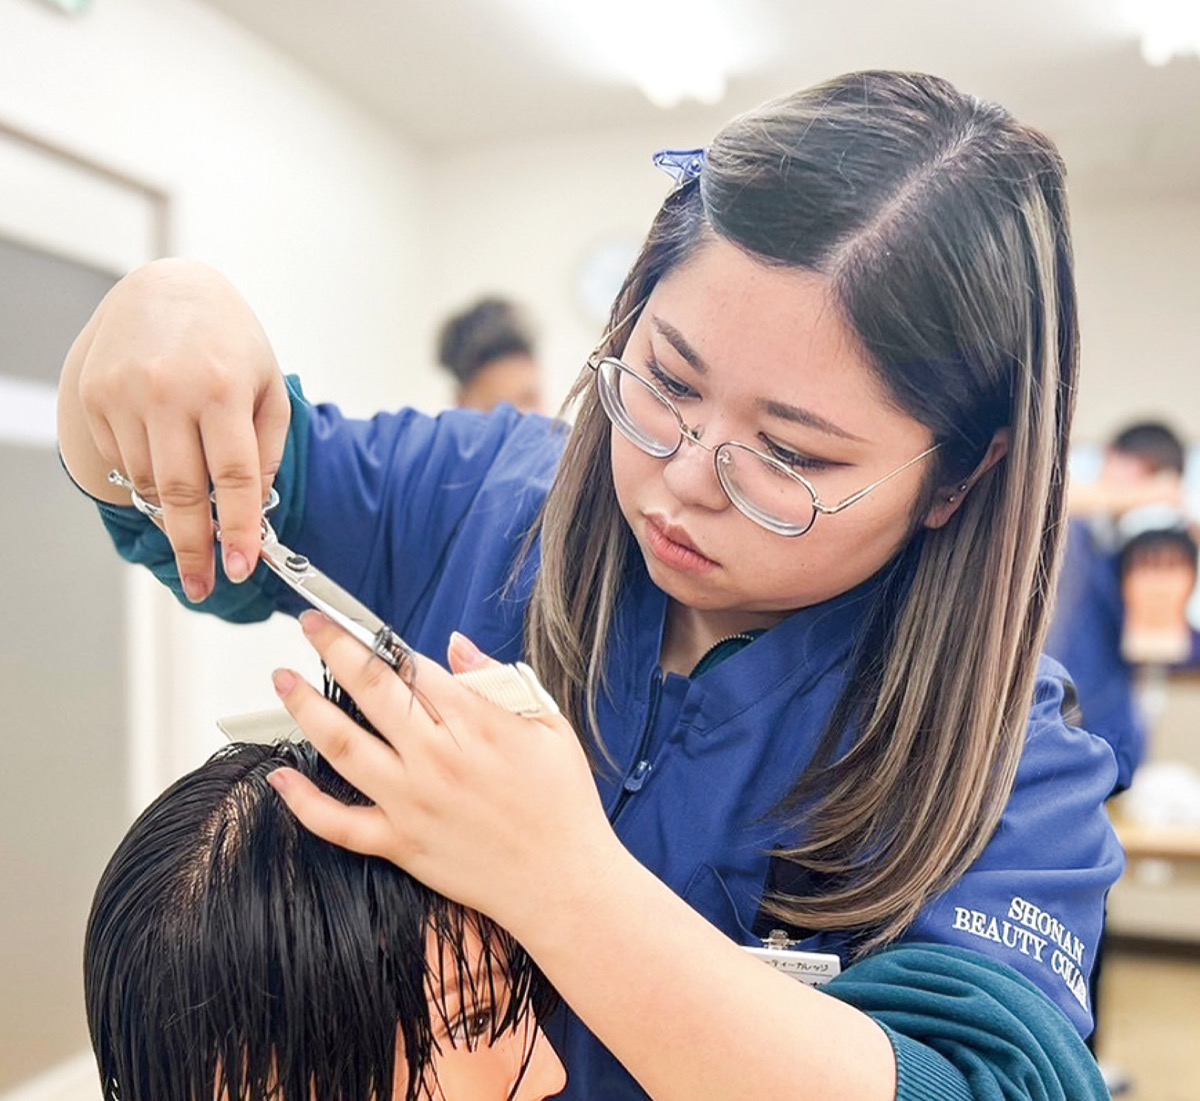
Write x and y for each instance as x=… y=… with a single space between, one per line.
x=465 y=656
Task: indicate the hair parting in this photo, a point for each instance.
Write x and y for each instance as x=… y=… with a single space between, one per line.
x=229 y=950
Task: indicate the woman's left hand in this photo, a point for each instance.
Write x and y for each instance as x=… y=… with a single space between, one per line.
x=494 y=810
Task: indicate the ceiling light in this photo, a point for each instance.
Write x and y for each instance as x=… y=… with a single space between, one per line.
x=1168 y=28
x=672 y=50
x=71 y=7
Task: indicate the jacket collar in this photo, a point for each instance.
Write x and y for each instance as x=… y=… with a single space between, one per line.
x=786 y=659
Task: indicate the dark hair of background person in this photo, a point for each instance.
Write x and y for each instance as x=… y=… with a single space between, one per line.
x=1153 y=442
x=230 y=949
x=487 y=330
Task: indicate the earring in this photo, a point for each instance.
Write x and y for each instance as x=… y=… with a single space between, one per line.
x=954 y=497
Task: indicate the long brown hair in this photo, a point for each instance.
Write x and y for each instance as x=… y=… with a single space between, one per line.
x=941 y=225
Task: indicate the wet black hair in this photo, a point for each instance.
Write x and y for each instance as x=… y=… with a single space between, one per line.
x=228 y=948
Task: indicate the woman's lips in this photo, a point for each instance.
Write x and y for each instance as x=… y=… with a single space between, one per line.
x=671 y=546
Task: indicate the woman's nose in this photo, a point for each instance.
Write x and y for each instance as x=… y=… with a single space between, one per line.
x=545 y=1075
x=691 y=475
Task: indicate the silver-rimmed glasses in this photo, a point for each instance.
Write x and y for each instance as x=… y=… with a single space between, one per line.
x=758 y=485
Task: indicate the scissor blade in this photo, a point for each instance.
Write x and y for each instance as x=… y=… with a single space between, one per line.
x=324 y=594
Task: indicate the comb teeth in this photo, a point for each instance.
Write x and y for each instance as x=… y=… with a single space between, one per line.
x=513 y=687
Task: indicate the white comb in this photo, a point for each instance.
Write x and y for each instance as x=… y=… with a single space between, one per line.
x=513 y=687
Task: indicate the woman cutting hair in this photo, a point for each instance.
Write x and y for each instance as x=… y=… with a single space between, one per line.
x=788 y=577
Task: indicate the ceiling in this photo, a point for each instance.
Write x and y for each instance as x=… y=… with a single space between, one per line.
x=449 y=73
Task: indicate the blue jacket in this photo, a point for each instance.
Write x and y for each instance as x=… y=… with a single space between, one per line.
x=423 y=518
x=1086 y=637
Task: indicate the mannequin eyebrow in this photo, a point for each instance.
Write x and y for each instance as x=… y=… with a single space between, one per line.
x=782 y=410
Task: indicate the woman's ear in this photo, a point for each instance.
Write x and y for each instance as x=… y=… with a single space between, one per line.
x=949 y=499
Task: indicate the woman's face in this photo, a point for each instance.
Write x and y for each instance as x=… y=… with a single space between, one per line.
x=762 y=356
x=468 y=1064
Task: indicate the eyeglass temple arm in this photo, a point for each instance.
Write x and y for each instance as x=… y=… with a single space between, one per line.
x=593 y=361
x=830 y=510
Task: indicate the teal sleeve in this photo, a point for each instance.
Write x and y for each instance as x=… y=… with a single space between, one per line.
x=139 y=541
x=967 y=1028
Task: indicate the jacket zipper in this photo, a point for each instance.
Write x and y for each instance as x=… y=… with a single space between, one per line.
x=741 y=636
x=642 y=769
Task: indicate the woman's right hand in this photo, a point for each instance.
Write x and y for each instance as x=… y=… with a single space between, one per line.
x=173 y=382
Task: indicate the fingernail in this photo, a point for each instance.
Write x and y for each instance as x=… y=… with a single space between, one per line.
x=312 y=621
x=195 y=588
x=278 y=780
x=284 y=681
x=237 y=568
x=464 y=650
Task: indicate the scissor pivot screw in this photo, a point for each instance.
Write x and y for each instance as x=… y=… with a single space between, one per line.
x=296 y=562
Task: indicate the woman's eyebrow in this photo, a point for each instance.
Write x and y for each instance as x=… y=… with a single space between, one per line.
x=679 y=342
x=806 y=417
x=784 y=411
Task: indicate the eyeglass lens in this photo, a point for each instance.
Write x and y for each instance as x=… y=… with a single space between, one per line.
x=761 y=489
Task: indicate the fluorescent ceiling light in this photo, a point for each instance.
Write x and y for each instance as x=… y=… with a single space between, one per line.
x=71 y=7
x=1168 y=28
x=672 y=50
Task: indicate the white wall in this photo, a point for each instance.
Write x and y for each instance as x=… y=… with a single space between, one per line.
x=351 y=244
x=1139 y=306
x=520 y=218
x=310 y=206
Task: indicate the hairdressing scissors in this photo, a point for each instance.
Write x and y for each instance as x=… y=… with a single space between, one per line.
x=514 y=687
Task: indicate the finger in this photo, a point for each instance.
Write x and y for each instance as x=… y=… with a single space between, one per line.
x=355 y=754
x=231 y=455
x=181 y=481
x=271 y=420
x=382 y=694
x=133 y=458
x=361 y=829
x=105 y=441
x=465 y=656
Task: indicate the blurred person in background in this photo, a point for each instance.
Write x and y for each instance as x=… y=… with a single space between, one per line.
x=1127 y=577
x=1129 y=572
x=489 y=349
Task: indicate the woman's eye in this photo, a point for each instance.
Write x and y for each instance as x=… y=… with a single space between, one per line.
x=672 y=387
x=794 y=459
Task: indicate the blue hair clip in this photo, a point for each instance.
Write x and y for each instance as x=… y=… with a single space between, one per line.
x=681 y=164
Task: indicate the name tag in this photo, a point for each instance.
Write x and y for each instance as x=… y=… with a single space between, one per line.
x=810 y=968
